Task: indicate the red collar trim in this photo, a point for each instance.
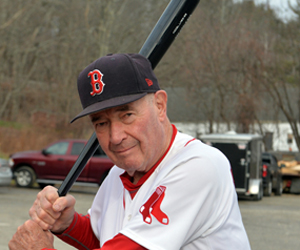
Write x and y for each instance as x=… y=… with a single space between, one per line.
x=126 y=179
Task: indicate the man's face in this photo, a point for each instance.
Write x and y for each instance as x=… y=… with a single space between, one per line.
x=132 y=135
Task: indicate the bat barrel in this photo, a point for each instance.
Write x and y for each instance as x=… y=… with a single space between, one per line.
x=167 y=28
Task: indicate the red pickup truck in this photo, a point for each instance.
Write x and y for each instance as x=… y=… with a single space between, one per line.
x=52 y=164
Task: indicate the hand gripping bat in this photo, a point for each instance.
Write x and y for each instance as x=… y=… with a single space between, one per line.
x=161 y=37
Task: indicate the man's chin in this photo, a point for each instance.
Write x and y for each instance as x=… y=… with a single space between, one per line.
x=131 y=171
x=128 y=168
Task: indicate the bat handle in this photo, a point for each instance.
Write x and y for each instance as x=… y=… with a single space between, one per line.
x=87 y=152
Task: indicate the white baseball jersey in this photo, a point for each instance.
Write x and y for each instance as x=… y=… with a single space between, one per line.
x=189 y=202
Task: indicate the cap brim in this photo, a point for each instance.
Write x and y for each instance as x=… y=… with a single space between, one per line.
x=110 y=103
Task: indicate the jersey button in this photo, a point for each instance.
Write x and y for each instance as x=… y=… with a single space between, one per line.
x=129 y=217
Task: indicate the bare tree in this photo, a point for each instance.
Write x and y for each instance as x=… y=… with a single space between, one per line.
x=45 y=44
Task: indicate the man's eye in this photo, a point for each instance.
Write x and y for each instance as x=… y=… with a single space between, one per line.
x=101 y=124
x=128 y=117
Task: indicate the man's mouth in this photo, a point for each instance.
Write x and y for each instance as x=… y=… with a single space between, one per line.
x=123 y=150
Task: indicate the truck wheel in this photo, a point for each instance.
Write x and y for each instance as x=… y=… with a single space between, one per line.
x=268 y=188
x=279 y=187
x=25 y=176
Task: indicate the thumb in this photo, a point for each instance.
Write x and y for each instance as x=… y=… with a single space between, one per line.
x=64 y=209
x=63 y=203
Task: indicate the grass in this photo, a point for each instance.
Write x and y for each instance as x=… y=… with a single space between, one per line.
x=3 y=156
x=7 y=124
x=22 y=135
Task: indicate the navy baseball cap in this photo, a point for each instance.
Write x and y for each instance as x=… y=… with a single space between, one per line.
x=114 y=80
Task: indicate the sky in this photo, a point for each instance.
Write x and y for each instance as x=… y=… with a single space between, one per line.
x=281 y=7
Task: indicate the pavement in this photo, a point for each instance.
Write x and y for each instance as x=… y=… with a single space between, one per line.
x=271 y=224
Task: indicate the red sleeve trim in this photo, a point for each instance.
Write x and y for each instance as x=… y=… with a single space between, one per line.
x=121 y=242
x=80 y=234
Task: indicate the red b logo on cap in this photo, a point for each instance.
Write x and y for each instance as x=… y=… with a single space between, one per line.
x=96 y=82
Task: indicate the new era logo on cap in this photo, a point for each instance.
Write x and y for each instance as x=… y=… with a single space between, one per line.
x=115 y=80
x=149 y=82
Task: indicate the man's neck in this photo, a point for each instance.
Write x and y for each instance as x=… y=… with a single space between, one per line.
x=169 y=135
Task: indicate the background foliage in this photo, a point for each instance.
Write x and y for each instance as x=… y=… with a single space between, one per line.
x=233 y=63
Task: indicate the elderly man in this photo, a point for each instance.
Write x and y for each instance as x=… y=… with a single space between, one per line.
x=167 y=190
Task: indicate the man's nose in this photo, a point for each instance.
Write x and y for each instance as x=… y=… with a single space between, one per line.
x=117 y=133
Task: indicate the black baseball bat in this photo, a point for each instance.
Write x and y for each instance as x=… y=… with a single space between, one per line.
x=161 y=37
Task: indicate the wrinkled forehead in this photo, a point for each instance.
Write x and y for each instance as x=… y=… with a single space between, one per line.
x=106 y=112
x=122 y=108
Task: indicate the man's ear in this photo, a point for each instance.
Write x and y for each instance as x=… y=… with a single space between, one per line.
x=161 y=99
